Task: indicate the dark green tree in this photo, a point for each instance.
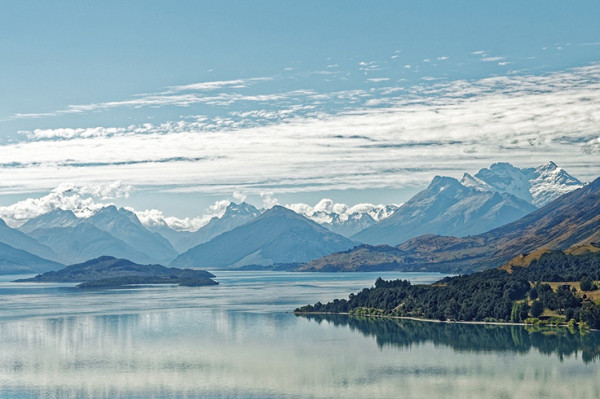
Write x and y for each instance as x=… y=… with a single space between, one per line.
x=537 y=309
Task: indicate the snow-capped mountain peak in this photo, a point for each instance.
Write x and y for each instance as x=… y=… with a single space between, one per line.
x=550 y=182
x=537 y=186
x=341 y=218
x=471 y=181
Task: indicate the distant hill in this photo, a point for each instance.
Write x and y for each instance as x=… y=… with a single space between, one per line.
x=279 y=235
x=17 y=261
x=446 y=207
x=572 y=219
x=235 y=215
x=108 y=271
x=525 y=260
x=125 y=225
x=20 y=240
x=85 y=241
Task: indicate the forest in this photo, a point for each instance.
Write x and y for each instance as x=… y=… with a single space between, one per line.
x=490 y=295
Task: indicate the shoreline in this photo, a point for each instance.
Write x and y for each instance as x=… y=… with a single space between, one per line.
x=493 y=323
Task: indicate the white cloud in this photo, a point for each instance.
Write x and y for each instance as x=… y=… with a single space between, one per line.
x=208 y=86
x=592 y=146
x=377 y=80
x=85 y=200
x=412 y=135
x=155 y=217
x=492 y=59
x=179 y=96
x=239 y=196
x=443 y=58
x=268 y=199
x=81 y=199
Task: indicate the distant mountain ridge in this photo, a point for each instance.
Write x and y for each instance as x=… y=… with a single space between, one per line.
x=342 y=219
x=538 y=186
x=279 y=235
x=109 y=231
x=85 y=241
x=473 y=205
x=572 y=219
x=22 y=241
x=56 y=218
x=235 y=215
x=17 y=261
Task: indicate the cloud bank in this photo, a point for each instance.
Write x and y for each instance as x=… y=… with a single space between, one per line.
x=389 y=137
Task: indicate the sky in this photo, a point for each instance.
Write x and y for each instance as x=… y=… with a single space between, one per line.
x=179 y=106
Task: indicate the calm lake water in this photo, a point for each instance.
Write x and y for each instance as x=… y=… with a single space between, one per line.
x=237 y=341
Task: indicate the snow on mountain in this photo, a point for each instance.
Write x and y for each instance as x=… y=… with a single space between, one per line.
x=538 y=186
x=341 y=218
x=446 y=207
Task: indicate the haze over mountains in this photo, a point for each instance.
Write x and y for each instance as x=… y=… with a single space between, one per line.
x=243 y=235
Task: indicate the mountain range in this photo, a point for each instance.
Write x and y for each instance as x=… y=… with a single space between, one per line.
x=342 y=219
x=279 y=235
x=109 y=231
x=18 y=261
x=22 y=241
x=491 y=198
x=538 y=186
x=448 y=212
x=572 y=219
x=235 y=215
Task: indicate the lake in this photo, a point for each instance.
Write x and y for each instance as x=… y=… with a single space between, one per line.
x=238 y=340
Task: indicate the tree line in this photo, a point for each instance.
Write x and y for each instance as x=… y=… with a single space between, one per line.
x=490 y=295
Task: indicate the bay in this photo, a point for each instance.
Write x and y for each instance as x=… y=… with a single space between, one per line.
x=238 y=340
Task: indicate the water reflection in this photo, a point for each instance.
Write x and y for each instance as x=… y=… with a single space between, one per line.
x=558 y=342
x=219 y=353
x=234 y=341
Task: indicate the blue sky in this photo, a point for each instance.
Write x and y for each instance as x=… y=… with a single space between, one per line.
x=186 y=103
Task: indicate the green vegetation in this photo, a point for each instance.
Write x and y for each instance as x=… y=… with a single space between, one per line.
x=489 y=295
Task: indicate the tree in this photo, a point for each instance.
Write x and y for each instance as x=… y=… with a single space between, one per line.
x=519 y=312
x=585 y=284
x=537 y=309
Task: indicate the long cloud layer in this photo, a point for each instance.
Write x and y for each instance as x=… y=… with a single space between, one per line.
x=394 y=138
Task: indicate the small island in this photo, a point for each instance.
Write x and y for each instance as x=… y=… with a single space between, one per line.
x=545 y=287
x=110 y=272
